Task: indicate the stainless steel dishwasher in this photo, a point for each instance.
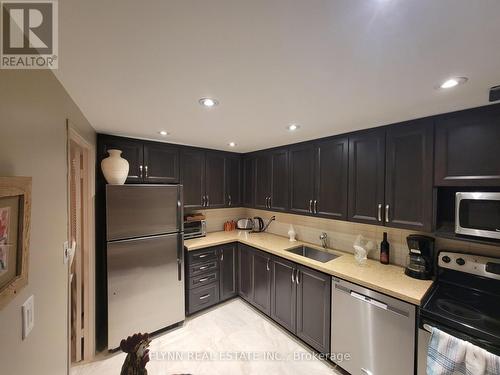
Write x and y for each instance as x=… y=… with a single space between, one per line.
x=377 y=331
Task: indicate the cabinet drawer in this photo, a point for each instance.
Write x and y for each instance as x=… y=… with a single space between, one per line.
x=199 y=268
x=204 y=279
x=202 y=256
x=203 y=297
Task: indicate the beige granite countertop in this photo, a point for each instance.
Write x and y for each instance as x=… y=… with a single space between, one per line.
x=388 y=279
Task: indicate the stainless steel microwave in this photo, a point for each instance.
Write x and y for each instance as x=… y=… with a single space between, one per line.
x=478 y=214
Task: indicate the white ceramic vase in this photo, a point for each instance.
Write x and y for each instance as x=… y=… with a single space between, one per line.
x=115 y=168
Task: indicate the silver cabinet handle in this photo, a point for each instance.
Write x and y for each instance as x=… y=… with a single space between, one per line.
x=146 y=169
x=202 y=280
x=267 y=265
x=310 y=206
x=387 y=213
x=208 y=201
x=203 y=268
x=270 y=202
x=380 y=212
x=140 y=169
x=297 y=277
x=202 y=201
x=205 y=296
x=315 y=206
x=229 y=200
x=221 y=256
x=293 y=276
x=202 y=255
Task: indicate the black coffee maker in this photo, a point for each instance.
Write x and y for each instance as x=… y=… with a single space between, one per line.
x=420 y=263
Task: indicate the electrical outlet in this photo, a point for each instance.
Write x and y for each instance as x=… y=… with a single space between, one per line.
x=28 y=311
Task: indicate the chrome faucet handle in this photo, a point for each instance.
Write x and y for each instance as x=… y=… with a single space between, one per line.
x=323 y=237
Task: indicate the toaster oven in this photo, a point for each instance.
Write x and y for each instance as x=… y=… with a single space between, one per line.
x=195 y=229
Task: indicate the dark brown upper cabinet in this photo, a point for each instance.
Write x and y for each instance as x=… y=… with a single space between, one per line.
x=279 y=174
x=193 y=177
x=318 y=178
x=468 y=148
x=302 y=178
x=215 y=178
x=271 y=180
x=409 y=171
x=233 y=178
x=366 y=176
x=263 y=183
x=161 y=163
x=249 y=181
x=149 y=162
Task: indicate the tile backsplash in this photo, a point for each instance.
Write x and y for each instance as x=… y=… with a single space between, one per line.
x=341 y=234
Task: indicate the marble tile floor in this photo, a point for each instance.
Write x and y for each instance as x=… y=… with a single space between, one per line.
x=231 y=339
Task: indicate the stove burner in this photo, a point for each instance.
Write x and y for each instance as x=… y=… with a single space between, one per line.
x=459 y=310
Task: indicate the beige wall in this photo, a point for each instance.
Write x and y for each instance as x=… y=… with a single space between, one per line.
x=341 y=234
x=33 y=112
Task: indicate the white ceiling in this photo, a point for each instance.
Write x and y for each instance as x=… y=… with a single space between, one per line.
x=333 y=66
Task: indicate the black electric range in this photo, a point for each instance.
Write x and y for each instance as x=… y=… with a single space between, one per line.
x=465 y=301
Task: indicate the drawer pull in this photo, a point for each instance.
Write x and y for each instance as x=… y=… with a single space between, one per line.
x=203 y=268
x=204 y=296
x=202 y=255
x=203 y=279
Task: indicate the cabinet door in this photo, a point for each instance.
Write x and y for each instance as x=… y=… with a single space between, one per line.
x=262 y=281
x=193 y=177
x=233 y=178
x=249 y=182
x=245 y=273
x=280 y=182
x=132 y=151
x=227 y=271
x=409 y=170
x=366 y=176
x=283 y=293
x=468 y=148
x=302 y=176
x=331 y=178
x=313 y=308
x=161 y=163
x=215 y=177
x=263 y=171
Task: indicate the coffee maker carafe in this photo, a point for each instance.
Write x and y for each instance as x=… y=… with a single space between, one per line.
x=421 y=260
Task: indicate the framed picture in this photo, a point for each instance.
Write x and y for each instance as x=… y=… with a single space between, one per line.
x=15 y=210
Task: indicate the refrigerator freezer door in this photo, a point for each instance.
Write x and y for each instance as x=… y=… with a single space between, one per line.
x=145 y=285
x=142 y=210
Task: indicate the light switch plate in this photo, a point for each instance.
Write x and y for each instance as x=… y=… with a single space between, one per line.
x=28 y=311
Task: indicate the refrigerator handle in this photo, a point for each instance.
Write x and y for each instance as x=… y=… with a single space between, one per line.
x=180 y=256
x=180 y=213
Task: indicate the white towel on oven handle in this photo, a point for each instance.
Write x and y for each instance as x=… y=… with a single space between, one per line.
x=448 y=355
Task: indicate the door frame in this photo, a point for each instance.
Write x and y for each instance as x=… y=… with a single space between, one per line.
x=88 y=222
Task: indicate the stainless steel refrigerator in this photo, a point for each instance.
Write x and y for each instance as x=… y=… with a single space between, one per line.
x=145 y=269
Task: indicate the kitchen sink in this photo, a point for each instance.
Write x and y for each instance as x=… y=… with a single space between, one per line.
x=311 y=253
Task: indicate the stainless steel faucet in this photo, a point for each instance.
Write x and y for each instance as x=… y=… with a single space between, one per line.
x=324 y=239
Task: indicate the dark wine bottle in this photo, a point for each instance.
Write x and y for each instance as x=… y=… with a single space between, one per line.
x=384 y=250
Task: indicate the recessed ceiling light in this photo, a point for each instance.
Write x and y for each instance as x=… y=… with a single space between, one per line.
x=293 y=127
x=163 y=133
x=232 y=144
x=452 y=82
x=208 y=102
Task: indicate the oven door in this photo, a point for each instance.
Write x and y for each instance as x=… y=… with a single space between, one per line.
x=478 y=214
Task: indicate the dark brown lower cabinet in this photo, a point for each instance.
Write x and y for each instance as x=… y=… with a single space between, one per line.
x=245 y=261
x=283 y=293
x=211 y=276
x=227 y=271
x=261 y=278
x=314 y=308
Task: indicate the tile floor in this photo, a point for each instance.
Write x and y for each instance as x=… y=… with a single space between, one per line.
x=218 y=336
